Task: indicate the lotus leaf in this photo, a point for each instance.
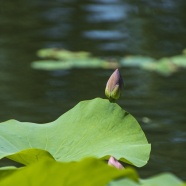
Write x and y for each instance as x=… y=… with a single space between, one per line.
x=165 y=179
x=180 y=60
x=95 y=128
x=61 y=54
x=89 y=171
x=136 y=61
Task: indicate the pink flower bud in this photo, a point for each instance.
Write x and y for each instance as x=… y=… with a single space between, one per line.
x=114 y=85
x=114 y=162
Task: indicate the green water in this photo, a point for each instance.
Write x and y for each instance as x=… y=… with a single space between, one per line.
x=105 y=28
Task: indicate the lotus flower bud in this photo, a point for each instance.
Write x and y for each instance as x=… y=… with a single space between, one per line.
x=114 y=162
x=114 y=85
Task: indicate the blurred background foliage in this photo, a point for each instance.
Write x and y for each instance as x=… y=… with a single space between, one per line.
x=109 y=29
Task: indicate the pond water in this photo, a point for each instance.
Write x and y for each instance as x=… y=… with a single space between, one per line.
x=105 y=28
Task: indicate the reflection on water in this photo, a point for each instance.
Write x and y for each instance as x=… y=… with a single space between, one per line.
x=104 y=27
x=121 y=27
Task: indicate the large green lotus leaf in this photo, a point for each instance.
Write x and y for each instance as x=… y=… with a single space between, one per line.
x=95 y=128
x=164 y=179
x=25 y=157
x=30 y=155
x=7 y=171
x=87 y=172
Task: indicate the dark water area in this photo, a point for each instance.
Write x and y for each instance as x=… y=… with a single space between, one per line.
x=112 y=28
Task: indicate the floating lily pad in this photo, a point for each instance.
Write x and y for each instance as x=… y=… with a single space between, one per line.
x=54 y=59
x=164 y=66
x=75 y=63
x=180 y=60
x=61 y=54
x=63 y=59
x=136 y=61
x=95 y=128
x=51 y=65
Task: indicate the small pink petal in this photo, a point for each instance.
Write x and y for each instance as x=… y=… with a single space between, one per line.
x=114 y=162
